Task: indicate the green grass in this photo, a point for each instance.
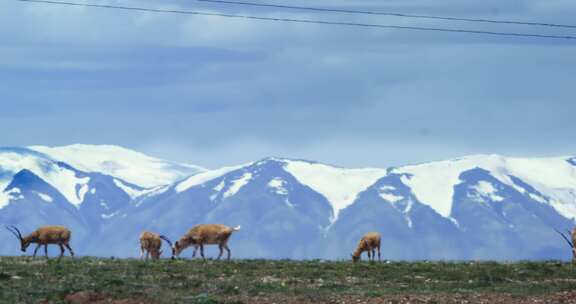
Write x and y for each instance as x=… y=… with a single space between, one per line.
x=28 y=280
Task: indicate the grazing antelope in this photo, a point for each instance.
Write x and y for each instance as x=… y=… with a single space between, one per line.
x=571 y=243
x=205 y=234
x=150 y=243
x=43 y=236
x=369 y=242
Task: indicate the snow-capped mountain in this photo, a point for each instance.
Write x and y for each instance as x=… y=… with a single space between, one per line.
x=13 y=160
x=553 y=178
x=38 y=189
x=476 y=207
x=338 y=185
x=129 y=165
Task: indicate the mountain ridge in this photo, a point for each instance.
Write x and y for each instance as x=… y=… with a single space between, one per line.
x=127 y=164
x=480 y=206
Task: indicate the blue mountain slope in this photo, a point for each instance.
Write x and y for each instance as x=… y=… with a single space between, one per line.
x=280 y=217
x=29 y=201
x=36 y=203
x=104 y=199
x=506 y=224
x=409 y=229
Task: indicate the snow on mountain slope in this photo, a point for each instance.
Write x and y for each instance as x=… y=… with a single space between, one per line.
x=132 y=192
x=203 y=177
x=340 y=186
x=129 y=165
x=486 y=189
x=12 y=160
x=555 y=177
x=7 y=196
x=238 y=184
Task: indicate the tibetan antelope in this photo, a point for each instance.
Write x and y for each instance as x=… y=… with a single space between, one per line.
x=45 y=235
x=205 y=234
x=151 y=244
x=571 y=243
x=369 y=242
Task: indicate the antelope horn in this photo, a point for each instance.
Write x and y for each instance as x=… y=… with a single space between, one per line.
x=14 y=231
x=19 y=233
x=565 y=238
x=167 y=240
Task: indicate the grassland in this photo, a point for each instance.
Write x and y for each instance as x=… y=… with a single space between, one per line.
x=92 y=280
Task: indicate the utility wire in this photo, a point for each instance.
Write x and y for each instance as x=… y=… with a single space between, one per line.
x=307 y=21
x=320 y=9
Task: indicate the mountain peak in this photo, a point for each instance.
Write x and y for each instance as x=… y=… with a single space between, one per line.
x=433 y=183
x=129 y=165
x=283 y=160
x=340 y=186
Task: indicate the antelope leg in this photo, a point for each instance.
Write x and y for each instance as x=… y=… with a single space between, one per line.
x=36 y=250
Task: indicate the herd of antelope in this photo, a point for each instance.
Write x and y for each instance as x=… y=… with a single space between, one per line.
x=197 y=237
x=150 y=242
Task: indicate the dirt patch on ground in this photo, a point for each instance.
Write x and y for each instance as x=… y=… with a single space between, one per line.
x=558 y=298
x=86 y=297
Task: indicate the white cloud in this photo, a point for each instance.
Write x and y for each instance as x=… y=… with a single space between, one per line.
x=333 y=93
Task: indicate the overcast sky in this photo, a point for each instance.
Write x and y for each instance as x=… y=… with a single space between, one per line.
x=213 y=91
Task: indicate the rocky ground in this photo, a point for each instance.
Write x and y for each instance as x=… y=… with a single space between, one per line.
x=93 y=280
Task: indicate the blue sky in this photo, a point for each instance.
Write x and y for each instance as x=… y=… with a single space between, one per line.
x=213 y=91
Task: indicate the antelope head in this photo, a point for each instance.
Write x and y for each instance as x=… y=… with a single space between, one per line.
x=24 y=243
x=180 y=245
x=176 y=249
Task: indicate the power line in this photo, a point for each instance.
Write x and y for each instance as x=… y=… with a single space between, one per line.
x=307 y=21
x=320 y=9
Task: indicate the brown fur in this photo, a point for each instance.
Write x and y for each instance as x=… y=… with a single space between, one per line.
x=369 y=243
x=45 y=235
x=205 y=234
x=150 y=243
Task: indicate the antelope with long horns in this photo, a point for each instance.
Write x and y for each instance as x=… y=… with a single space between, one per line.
x=57 y=235
x=571 y=243
x=151 y=244
x=204 y=234
x=369 y=243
